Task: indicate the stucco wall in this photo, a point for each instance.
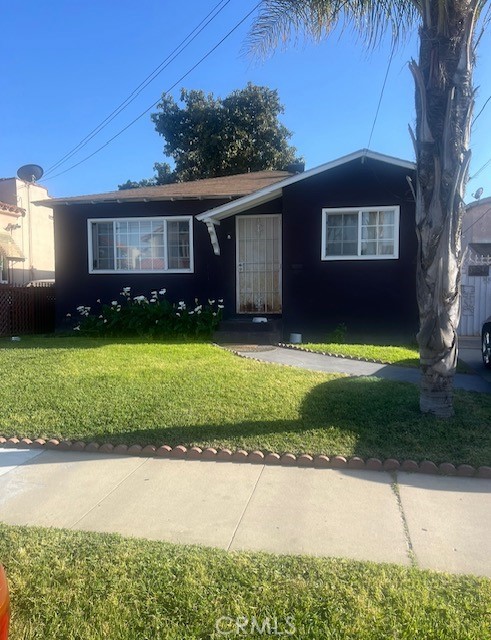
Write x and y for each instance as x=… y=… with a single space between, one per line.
x=35 y=235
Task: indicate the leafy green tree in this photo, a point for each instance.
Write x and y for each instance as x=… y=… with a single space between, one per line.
x=209 y=137
x=163 y=175
x=444 y=103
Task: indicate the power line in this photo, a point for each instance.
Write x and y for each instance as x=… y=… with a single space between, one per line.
x=150 y=78
x=381 y=94
x=200 y=61
x=484 y=166
x=481 y=110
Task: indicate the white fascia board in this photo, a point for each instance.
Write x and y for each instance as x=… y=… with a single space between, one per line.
x=275 y=190
x=242 y=204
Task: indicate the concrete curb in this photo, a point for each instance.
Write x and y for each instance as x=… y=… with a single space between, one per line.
x=253 y=457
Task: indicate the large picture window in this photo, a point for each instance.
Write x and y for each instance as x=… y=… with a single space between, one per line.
x=143 y=245
x=368 y=233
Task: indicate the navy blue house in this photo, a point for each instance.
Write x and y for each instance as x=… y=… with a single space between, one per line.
x=334 y=244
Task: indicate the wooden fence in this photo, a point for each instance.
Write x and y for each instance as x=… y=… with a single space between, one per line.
x=26 y=310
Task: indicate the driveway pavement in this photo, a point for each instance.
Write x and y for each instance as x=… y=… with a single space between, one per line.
x=330 y=364
x=428 y=521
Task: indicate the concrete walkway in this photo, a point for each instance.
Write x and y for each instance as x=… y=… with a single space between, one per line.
x=330 y=364
x=433 y=522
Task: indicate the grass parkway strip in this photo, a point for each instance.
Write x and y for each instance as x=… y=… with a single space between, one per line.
x=68 y=585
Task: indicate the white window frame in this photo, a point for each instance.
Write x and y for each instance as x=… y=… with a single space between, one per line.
x=165 y=219
x=360 y=211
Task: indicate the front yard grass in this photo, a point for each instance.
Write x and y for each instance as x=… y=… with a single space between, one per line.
x=401 y=355
x=68 y=585
x=197 y=394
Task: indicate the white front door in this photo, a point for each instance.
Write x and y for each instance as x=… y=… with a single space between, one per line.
x=258 y=264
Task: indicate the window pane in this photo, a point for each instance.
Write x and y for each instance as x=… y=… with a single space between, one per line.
x=369 y=233
x=369 y=248
x=342 y=234
x=178 y=244
x=102 y=245
x=386 y=217
x=377 y=233
x=369 y=217
x=386 y=248
x=350 y=248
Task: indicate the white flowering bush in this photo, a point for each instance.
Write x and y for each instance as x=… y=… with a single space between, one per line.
x=152 y=316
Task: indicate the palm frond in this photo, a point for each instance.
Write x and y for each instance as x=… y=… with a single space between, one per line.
x=279 y=21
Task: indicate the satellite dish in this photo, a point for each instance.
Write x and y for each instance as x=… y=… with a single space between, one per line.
x=478 y=193
x=30 y=172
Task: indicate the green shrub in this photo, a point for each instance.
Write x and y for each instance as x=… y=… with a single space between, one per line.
x=338 y=336
x=153 y=317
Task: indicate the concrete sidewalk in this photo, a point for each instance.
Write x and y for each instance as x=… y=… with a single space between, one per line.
x=333 y=364
x=433 y=522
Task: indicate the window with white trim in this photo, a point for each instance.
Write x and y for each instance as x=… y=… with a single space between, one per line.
x=142 y=245
x=368 y=233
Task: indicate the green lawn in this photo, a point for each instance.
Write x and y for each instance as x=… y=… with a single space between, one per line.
x=68 y=585
x=402 y=355
x=198 y=394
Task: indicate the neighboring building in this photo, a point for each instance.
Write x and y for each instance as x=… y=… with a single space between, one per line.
x=26 y=230
x=476 y=274
x=10 y=253
x=336 y=244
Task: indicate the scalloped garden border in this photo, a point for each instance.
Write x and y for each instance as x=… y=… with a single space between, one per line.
x=253 y=457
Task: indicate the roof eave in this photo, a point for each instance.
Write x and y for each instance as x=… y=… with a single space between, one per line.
x=238 y=206
x=274 y=191
x=67 y=202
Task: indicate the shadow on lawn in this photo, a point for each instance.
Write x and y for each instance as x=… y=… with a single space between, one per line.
x=347 y=416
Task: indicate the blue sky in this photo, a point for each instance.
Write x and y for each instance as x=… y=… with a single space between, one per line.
x=67 y=64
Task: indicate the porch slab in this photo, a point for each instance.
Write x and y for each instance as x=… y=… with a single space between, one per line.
x=325 y=512
x=449 y=521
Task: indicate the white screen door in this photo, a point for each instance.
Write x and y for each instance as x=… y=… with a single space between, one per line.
x=259 y=264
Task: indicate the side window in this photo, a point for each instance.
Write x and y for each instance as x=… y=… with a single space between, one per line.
x=360 y=234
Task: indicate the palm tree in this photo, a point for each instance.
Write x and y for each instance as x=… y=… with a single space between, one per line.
x=444 y=104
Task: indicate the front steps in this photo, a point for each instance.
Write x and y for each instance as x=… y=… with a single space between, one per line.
x=245 y=331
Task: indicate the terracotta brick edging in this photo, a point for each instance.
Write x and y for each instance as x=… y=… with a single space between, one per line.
x=241 y=456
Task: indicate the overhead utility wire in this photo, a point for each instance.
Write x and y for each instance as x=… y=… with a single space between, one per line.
x=381 y=95
x=481 y=110
x=484 y=166
x=157 y=101
x=149 y=79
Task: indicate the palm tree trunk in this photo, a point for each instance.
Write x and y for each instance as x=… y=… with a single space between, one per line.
x=444 y=102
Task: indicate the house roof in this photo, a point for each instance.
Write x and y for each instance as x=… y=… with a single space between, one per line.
x=272 y=191
x=478 y=203
x=209 y=188
x=11 y=209
x=9 y=249
x=481 y=248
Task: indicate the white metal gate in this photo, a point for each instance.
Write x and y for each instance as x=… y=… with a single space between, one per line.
x=476 y=294
x=258 y=254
